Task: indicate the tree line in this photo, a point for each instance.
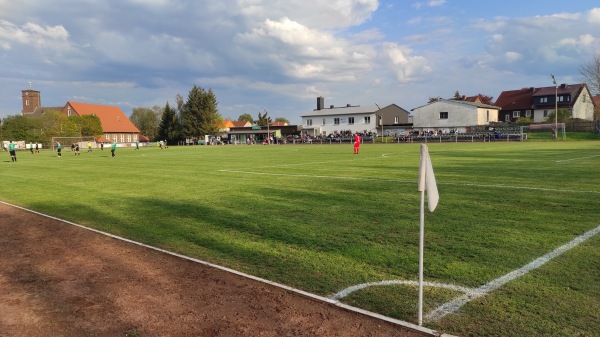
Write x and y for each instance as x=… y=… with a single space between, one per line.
x=193 y=118
x=50 y=124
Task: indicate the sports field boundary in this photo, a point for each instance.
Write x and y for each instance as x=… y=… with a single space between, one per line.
x=315 y=297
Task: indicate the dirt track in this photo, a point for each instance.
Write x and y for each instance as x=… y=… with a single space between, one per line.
x=57 y=279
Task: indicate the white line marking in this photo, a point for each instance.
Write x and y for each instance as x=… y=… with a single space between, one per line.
x=408 y=325
x=352 y=289
x=408 y=181
x=456 y=304
x=565 y=160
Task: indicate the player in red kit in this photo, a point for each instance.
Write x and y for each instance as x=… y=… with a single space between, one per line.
x=356 y=143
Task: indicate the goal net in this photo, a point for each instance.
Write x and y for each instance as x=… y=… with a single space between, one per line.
x=66 y=142
x=555 y=130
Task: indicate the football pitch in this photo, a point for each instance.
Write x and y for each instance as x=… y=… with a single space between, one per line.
x=512 y=249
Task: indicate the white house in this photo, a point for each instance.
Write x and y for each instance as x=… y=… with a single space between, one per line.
x=354 y=118
x=453 y=115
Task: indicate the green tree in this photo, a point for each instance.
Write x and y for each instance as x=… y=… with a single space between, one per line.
x=564 y=115
x=147 y=120
x=263 y=120
x=15 y=128
x=169 y=127
x=247 y=118
x=282 y=119
x=199 y=114
x=86 y=125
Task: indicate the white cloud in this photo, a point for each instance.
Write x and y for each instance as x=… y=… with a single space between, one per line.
x=512 y=56
x=430 y=3
x=405 y=66
x=594 y=16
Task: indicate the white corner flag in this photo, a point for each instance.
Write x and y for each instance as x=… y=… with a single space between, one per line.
x=426 y=183
x=427 y=179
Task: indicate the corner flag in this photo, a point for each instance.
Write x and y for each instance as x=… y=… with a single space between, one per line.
x=426 y=183
x=427 y=179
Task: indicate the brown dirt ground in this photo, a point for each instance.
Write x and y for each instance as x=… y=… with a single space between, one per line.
x=57 y=279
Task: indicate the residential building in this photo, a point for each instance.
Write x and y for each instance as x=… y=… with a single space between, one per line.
x=539 y=103
x=453 y=116
x=115 y=124
x=322 y=121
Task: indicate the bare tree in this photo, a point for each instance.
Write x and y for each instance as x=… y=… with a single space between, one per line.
x=590 y=74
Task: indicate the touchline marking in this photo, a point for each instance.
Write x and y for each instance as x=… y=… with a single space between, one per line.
x=565 y=160
x=407 y=181
x=457 y=303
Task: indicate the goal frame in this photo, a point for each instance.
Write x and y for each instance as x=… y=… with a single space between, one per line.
x=67 y=141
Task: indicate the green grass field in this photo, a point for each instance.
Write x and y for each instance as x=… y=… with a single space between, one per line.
x=321 y=219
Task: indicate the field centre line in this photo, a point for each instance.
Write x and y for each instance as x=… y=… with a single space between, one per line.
x=565 y=160
x=406 y=181
x=424 y=330
x=456 y=304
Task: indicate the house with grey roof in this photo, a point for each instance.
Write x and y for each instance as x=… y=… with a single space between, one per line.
x=453 y=115
x=323 y=121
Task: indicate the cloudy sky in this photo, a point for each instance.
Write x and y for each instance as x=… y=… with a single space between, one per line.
x=283 y=54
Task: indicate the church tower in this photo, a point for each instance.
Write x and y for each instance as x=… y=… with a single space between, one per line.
x=31 y=101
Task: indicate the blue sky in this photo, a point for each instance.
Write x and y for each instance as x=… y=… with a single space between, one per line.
x=282 y=54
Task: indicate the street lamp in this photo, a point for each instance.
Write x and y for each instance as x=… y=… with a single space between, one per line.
x=555 y=107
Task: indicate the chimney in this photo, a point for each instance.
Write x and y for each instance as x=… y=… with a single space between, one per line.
x=562 y=86
x=348 y=105
x=320 y=103
x=331 y=106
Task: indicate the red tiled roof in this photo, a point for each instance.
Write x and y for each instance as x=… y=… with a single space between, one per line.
x=524 y=98
x=516 y=99
x=239 y=124
x=113 y=120
x=596 y=100
x=278 y=124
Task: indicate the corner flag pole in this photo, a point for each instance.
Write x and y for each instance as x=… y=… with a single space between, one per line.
x=426 y=183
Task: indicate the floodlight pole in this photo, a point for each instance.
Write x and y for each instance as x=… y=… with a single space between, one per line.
x=268 y=133
x=555 y=107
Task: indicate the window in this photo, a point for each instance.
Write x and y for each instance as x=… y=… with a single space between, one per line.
x=350 y=120
x=26 y=102
x=69 y=111
x=122 y=138
x=444 y=115
x=487 y=116
x=396 y=120
x=309 y=122
x=323 y=121
x=129 y=138
x=507 y=118
x=561 y=98
x=368 y=120
x=135 y=137
x=516 y=114
x=543 y=99
x=545 y=113
x=528 y=113
x=336 y=121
